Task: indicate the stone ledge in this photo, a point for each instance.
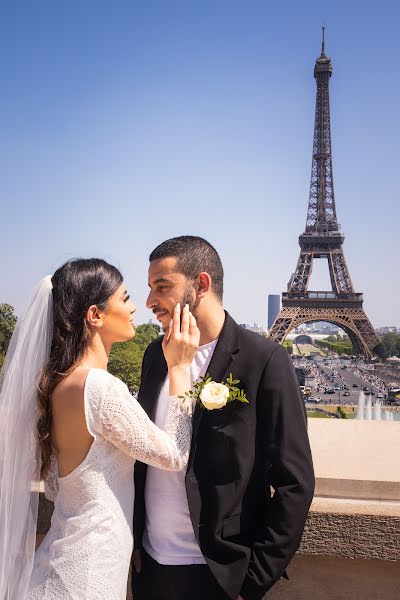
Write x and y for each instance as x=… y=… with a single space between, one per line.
x=355 y=506
x=357 y=489
x=352 y=535
x=335 y=527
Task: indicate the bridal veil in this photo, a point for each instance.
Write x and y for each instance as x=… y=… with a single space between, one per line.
x=19 y=448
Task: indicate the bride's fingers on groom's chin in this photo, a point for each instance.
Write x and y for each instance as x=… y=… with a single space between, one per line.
x=176 y=320
x=185 y=319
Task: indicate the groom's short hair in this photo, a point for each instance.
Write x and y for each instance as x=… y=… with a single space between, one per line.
x=193 y=255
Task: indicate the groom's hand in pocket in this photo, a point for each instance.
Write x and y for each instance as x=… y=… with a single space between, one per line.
x=137 y=560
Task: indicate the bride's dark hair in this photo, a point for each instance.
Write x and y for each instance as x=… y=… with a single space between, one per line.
x=77 y=285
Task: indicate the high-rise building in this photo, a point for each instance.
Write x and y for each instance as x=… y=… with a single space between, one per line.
x=274 y=306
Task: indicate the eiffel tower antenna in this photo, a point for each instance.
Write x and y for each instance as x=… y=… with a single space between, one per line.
x=322 y=238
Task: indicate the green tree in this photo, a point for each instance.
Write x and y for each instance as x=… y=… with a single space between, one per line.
x=126 y=357
x=7 y=325
x=341 y=347
x=288 y=344
x=146 y=333
x=388 y=346
x=331 y=338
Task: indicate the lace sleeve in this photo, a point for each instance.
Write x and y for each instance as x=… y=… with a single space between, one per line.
x=51 y=480
x=120 y=419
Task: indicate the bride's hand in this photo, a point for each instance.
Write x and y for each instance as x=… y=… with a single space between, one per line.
x=181 y=340
x=179 y=345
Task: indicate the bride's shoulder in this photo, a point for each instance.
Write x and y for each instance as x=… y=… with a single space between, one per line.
x=69 y=390
x=101 y=381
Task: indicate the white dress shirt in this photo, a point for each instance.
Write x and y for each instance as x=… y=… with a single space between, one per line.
x=168 y=536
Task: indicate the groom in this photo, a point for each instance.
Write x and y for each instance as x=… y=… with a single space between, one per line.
x=228 y=527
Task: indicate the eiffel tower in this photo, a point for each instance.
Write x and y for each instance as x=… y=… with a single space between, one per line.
x=322 y=238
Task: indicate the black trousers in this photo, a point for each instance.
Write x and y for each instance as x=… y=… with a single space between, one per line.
x=174 y=582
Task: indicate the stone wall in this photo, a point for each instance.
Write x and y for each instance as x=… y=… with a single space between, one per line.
x=328 y=578
x=350 y=548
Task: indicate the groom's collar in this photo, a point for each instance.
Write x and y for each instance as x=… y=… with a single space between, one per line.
x=229 y=335
x=226 y=348
x=220 y=366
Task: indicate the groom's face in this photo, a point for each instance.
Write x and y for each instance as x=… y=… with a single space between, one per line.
x=168 y=287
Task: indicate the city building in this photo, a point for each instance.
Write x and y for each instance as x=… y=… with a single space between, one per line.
x=384 y=330
x=256 y=328
x=274 y=306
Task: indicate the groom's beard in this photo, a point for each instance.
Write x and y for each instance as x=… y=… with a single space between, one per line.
x=188 y=297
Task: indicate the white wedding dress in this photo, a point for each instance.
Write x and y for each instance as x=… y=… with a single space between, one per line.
x=87 y=550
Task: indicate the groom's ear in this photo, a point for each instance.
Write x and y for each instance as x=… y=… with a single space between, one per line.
x=93 y=317
x=203 y=284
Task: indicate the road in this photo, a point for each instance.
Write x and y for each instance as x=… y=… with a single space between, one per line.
x=341 y=377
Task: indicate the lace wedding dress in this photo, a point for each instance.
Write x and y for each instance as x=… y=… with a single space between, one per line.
x=87 y=550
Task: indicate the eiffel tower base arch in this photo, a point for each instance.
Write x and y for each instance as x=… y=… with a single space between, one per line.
x=353 y=321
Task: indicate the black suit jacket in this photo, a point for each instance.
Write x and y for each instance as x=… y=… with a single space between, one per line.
x=246 y=533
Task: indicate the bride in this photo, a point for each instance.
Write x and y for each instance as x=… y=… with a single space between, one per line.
x=65 y=419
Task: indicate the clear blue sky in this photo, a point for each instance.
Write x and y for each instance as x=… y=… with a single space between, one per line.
x=124 y=123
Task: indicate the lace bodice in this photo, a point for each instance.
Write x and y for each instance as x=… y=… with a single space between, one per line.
x=86 y=553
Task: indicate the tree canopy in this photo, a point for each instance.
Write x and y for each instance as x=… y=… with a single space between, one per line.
x=8 y=321
x=389 y=346
x=126 y=357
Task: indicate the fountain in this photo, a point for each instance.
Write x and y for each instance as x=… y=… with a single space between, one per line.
x=365 y=412
x=368 y=411
x=361 y=406
x=378 y=411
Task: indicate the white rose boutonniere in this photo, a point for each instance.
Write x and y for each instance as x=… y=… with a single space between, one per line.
x=212 y=395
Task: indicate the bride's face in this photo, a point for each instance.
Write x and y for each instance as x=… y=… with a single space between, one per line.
x=117 y=323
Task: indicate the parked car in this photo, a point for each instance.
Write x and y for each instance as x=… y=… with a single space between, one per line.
x=346 y=393
x=313 y=399
x=355 y=385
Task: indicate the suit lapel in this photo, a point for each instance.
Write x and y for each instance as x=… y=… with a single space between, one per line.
x=156 y=373
x=221 y=361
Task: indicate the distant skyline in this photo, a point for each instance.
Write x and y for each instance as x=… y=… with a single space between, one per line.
x=127 y=123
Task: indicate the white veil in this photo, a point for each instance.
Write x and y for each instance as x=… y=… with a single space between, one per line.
x=19 y=449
